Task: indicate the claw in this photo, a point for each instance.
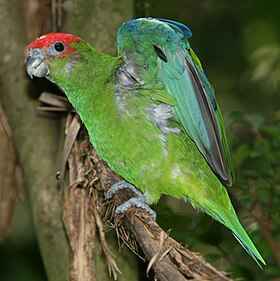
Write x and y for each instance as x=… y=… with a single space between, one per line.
x=138 y=201
x=121 y=185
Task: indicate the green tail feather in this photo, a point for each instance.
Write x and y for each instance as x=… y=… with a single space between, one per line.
x=231 y=221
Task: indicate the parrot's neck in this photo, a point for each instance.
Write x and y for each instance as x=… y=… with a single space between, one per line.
x=90 y=87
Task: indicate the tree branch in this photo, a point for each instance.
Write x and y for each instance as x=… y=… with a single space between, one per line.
x=169 y=259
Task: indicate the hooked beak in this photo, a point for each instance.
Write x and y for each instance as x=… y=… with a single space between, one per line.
x=36 y=64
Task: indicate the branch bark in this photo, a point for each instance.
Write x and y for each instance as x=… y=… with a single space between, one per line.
x=169 y=259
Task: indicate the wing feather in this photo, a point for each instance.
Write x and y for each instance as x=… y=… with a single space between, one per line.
x=160 y=54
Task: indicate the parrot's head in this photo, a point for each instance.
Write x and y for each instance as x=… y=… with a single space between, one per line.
x=47 y=49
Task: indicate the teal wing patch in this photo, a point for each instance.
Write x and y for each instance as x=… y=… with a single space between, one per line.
x=158 y=56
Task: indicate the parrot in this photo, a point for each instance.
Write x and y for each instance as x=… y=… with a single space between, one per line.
x=150 y=113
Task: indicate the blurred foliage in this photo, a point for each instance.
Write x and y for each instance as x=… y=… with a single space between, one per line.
x=238 y=43
x=266 y=67
x=256 y=150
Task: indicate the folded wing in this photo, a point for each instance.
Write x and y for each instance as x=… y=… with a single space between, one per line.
x=158 y=55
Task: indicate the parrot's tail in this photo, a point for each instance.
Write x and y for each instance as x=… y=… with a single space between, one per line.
x=230 y=220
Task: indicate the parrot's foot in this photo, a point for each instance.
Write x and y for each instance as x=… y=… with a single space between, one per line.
x=121 y=185
x=138 y=201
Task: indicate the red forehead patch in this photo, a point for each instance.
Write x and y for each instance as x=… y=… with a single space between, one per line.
x=50 y=38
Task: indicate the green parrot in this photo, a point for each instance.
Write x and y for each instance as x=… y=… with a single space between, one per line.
x=150 y=112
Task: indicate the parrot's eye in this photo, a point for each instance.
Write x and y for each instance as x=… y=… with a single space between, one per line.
x=59 y=46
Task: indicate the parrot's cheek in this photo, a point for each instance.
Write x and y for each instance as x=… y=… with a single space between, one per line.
x=36 y=64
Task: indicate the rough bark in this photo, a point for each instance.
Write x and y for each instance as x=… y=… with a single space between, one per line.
x=82 y=202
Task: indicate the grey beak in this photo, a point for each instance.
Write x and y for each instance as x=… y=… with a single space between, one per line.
x=36 y=64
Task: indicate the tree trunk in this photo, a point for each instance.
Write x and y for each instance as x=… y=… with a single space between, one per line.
x=39 y=137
